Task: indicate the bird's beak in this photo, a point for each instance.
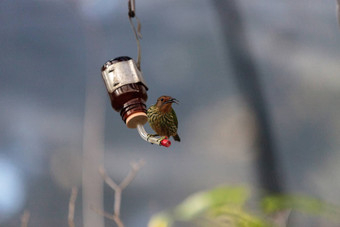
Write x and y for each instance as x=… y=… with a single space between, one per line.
x=172 y=100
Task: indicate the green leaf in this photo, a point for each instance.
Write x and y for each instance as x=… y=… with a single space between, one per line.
x=237 y=217
x=306 y=204
x=202 y=201
x=162 y=219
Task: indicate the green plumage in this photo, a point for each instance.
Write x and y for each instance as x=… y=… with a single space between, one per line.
x=163 y=123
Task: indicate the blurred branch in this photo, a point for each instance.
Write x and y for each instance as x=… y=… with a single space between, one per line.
x=248 y=79
x=135 y=166
x=118 y=189
x=94 y=116
x=109 y=216
x=280 y=218
x=71 y=206
x=25 y=218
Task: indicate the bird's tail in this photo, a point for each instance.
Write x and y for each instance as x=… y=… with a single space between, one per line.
x=176 y=138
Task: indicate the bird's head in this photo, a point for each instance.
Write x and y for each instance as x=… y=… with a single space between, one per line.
x=164 y=103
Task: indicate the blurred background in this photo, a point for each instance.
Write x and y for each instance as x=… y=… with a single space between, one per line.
x=259 y=105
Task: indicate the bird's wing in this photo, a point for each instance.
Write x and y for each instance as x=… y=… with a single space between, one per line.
x=175 y=118
x=150 y=110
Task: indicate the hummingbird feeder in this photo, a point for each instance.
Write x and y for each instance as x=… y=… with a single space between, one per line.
x=128 y=91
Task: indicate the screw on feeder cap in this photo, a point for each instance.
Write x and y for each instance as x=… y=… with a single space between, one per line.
x=121 y=71
x=127 y=90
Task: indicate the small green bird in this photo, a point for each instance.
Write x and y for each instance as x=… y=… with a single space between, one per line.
x=162 y=118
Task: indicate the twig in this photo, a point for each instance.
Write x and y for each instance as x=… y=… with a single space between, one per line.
x=118 y=189
x=135 y=167
x=25 y=218
x=109 y=216
x=107 y=179
x=280 y=218
x=102 y=213
x=71 y=206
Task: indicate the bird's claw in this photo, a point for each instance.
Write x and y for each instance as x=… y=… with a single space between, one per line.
x=162 y=138
x=152 y=135
x=148 y=137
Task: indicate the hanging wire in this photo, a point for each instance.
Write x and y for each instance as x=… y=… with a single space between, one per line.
x=132 y=14
x=137 y=32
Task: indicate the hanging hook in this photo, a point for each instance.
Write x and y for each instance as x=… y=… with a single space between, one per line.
x=138 y=35
x=132 y=8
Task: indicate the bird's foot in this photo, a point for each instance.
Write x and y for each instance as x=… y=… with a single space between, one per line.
x=162 y=138
x=151 y=135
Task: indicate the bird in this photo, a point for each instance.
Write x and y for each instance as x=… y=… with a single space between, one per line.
x=162 y=118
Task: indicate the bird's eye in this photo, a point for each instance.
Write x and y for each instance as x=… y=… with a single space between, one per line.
x=162 y=100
